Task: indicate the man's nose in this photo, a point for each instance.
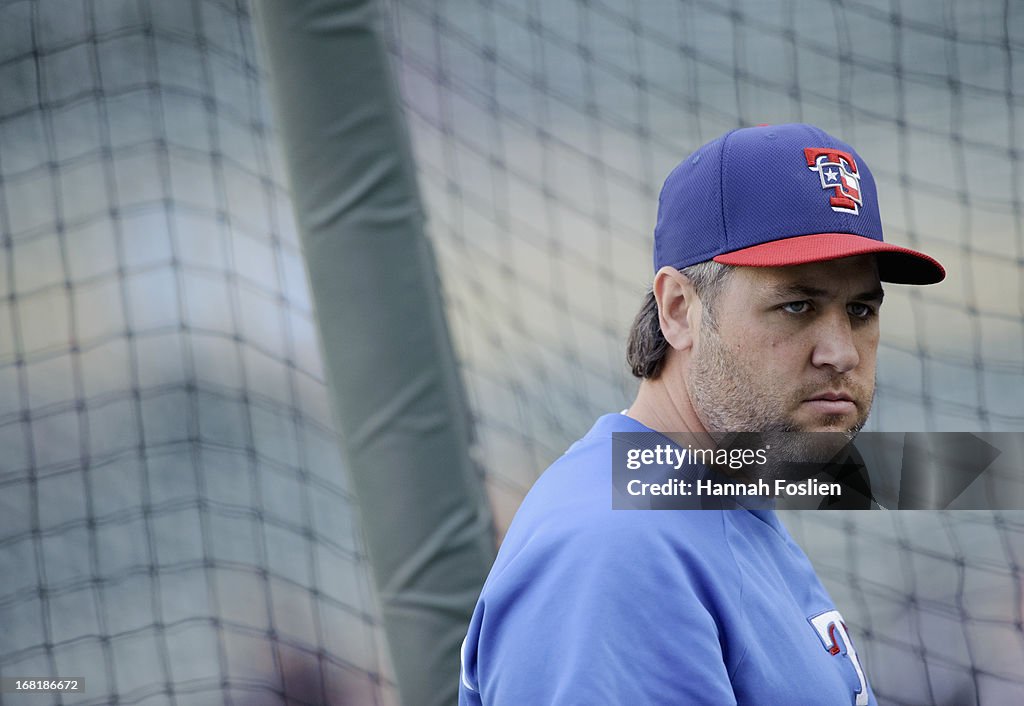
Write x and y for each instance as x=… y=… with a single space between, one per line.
x=834 y=346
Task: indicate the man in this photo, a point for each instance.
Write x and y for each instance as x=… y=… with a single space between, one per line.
x=763 y=316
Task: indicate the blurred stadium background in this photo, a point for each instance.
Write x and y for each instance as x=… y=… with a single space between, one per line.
x=176 y=521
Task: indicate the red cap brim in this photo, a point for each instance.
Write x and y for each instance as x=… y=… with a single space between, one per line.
x=895 y=264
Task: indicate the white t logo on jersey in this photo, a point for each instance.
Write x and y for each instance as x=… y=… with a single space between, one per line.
x=828 y=624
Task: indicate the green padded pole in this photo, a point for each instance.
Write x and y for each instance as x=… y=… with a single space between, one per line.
x=400 y=405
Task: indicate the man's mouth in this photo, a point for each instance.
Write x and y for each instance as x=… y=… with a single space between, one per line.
x=832 y=403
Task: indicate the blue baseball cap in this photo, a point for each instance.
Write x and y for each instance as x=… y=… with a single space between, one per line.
x=777 y=195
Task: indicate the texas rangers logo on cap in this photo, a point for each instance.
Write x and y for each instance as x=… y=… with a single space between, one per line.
x=838 y=171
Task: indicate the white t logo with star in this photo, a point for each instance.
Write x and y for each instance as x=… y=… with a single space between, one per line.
x=837 y=174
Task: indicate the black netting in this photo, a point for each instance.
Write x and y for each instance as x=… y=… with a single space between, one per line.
x=175 y=525
x=543 y=131
x=175 y=521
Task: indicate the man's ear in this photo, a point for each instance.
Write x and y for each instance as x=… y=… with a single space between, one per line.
x=678 y=307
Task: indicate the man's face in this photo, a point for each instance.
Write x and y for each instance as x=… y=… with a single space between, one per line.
x=794 y=349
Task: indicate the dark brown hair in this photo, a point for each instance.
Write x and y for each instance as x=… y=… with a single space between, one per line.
x=647 y=347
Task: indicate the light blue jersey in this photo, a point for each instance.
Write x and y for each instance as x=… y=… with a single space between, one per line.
x=592 y=606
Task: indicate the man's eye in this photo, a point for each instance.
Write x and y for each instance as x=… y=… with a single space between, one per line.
x=797 y=307
x=861 y=311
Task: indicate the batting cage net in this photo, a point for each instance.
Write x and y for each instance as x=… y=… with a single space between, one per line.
x=176 y=526
x=175 y=520
x=543 y=131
